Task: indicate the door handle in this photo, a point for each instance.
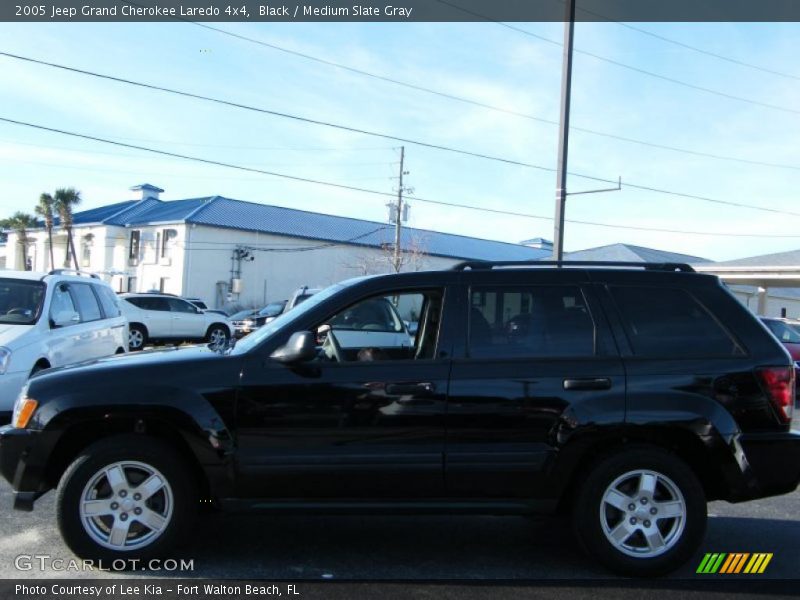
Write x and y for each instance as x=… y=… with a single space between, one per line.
x=593 y=383
x=417 y=389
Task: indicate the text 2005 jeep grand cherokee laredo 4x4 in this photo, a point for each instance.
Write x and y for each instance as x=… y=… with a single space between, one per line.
x=628 y=395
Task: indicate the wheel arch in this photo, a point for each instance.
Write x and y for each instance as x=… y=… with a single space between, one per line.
x=83 y=434
x=707 y=456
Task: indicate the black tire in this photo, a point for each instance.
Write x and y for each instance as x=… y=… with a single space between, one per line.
x=635 y=555
x=131 y=450
x=219 y=334
x=137 y=337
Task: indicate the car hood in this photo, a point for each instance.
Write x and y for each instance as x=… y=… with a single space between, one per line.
x=161 y=356
x=9 y=333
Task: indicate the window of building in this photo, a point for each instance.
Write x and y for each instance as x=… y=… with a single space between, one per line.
x=163 y=282
x=530 y=322
x=150 y=244
x=132 y=284
x=88 y=307
x=86 y=250
x=133 y=249
x=168 y=239
x=671 y=322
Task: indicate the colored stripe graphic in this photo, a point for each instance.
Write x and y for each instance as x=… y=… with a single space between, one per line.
x=733 y=563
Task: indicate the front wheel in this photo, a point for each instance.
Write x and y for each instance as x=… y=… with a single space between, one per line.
x=126 y=497
x=640 y=512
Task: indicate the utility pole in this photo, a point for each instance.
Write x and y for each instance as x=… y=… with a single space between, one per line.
x=398 y=219
x=563 y=140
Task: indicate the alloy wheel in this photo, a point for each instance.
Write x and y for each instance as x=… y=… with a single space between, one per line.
x=126 y=506
x=643 y=513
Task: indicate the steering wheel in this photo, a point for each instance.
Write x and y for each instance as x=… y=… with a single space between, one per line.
x=332 y=348
x=18 y=311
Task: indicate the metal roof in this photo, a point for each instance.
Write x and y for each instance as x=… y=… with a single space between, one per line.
x=217 y=211
x=631 y=253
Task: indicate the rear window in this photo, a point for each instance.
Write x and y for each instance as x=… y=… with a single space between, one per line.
x=669 y=322
x=146 y=303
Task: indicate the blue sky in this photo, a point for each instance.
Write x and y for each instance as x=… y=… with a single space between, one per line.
x=482 y=61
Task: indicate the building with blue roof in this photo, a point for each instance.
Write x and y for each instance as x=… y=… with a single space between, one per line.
x=221 y=249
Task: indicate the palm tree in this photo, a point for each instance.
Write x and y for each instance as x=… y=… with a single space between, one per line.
x=45 y=209
x=65 y=199
x=20 y=222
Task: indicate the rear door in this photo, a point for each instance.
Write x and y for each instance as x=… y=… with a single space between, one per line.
x=96 y=336
x=535 y=364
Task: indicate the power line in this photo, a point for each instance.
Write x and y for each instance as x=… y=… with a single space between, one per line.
x=595 y=132
x=492 y=107
x=420 y=143
x=380 y=193
x=686 y=46
x=622 y=65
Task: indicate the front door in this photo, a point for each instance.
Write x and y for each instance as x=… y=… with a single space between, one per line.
x=355 y=423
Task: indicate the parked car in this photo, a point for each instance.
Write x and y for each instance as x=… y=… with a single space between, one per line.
x=299 y=296
x=625 y=395
x=787 y=334
x=243 y=322
x=204 y=307
x=51 y=320
x=371 y=324
x=167 y=318
x=247 y=321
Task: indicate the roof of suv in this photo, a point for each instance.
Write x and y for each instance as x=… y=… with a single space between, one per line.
x=59 y=273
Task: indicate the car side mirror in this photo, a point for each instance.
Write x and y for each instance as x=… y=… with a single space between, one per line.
x=66 y=317
x=301 y=347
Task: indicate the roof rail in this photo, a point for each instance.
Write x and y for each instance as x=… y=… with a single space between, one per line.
x=74 y=272
x=647 y=266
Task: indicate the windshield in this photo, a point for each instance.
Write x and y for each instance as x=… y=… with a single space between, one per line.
x=20 y=301
x=270 y=310
x=783 y=332
x=261 y=334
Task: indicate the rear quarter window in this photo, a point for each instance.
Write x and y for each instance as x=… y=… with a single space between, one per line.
x=671 y=323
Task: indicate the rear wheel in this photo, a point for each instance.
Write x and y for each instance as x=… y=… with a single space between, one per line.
x=137 y=337
x=640 y=512
x=217 y=336
x=127 y=497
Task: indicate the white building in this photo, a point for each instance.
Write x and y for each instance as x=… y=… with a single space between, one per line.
x=224 y=250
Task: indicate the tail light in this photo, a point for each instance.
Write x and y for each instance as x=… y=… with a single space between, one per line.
x=779 y=383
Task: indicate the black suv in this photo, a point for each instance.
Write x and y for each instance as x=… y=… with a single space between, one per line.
x=625 y=395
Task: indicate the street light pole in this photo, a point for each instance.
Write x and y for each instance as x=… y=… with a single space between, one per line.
x=563 y=140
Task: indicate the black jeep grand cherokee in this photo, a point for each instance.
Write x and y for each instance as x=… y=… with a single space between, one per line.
x=627 y=395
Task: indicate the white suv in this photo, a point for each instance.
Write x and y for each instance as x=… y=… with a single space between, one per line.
x=52 y=320
x=168 y=318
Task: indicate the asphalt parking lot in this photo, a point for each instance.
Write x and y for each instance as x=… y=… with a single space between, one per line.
x=246 y=546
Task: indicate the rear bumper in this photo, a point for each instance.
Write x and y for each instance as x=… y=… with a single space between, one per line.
x=773 y=463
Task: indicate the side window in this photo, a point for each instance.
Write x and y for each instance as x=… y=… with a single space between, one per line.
x=178 y=305
x=671 y=322
x=530 y=321
x=62 y=301
x=401 y=326
x=88 y=308
x=108 y=300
